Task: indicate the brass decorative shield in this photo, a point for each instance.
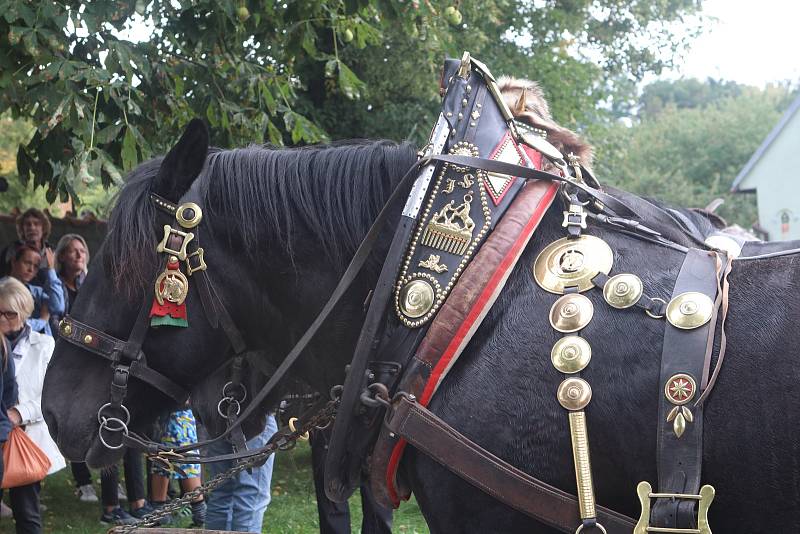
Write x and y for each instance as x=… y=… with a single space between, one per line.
x=572 y=262
x=571 y=354
x=690 y=310
x=571 y=312
x=416 y=298
x=623 y=290
x=574 y=394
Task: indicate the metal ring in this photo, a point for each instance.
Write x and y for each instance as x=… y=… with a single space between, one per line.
x=234 y=386
x=104 y=425
x=230 y=400
x=598 y=525
x=653 y=315
x=302 y=437
x=100 y=418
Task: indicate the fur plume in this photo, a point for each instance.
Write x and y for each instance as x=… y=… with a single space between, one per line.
x=526 y=100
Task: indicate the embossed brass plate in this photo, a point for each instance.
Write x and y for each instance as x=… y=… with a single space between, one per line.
x=571 y=354
x=571 y=312
x=623 y=291
x=690 y=310
x=574 y=394
x=572 y=262
x=416 y=298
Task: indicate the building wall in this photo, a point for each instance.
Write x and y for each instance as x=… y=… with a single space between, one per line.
x=776 y=178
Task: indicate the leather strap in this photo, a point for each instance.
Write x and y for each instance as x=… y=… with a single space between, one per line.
x=511 y=486
x=680 y=457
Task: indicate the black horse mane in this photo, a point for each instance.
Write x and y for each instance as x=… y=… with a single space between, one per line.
x=331 y=190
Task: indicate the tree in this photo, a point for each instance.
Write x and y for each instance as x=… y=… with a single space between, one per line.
x=689 y=151
x=298 y=71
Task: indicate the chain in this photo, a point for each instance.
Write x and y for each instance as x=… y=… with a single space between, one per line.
x=283 y=442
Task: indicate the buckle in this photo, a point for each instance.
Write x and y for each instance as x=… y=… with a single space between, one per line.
x=185 y=238
x=201 y=264
x=645 y=492
x=576 y=216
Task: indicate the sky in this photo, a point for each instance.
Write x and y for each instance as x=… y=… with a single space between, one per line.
x=753 y=42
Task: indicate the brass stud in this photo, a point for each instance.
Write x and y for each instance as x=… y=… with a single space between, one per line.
x=571 y=312
x=574 y=394
x=66 y=328
x=189 y=215
x=690 y=310
x=623 y=290
x=571 y=354
x=87 y=339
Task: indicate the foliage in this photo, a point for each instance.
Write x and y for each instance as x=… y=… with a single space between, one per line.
x=689 y=151
x=298 y=71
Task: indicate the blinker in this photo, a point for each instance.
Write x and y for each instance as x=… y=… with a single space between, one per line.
x=623 y=291
x=571 y=313
x=690 y=310
x=572 y=262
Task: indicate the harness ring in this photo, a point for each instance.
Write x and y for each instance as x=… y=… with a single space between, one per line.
x=230 y=400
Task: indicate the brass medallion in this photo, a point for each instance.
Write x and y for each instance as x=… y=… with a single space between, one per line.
x=571 y=312
x=571 y=354
x=416 y=298
x=171 y=285
x=450 y=229
x=623 y=290
x=574 y=394
x=680 y=389
x=572 y=262
x=690 y=310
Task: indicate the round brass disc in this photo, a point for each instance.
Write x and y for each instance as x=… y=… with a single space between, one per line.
x=189 y=215
x=690 y=310
x=416 y=298
x=571 y=354
x=623 y=291
x=574 y=394
x=572 y=262
x=571 y=312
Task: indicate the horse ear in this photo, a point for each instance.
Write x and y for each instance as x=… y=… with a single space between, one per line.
x=183 y=163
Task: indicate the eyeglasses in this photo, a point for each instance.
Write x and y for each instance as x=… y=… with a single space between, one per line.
x=9 y=315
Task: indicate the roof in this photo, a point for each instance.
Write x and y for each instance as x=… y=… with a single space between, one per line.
x=765 y=145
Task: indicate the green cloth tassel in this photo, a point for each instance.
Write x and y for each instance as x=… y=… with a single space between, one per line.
x=168 y=321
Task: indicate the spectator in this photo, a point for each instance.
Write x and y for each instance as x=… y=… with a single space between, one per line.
x=179 y=429
x=134 y=482
x=8 y=390
x=33 y=228
x=48 y=298
x=72 y=258
x=239 y=504
x=31 y=353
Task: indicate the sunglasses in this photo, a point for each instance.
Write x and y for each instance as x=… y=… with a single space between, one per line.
x=9 y=315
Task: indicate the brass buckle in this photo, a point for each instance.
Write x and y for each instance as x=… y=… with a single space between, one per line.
x=186 y=237
x=201 y=263
x=576 y=216
x=645 y=492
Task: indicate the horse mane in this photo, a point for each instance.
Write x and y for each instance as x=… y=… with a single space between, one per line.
x=330 y=190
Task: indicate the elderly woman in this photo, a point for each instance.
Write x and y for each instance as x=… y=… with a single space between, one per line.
x=48 y=296
x=30 y=352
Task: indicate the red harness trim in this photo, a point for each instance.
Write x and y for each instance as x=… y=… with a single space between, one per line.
x=470 y=324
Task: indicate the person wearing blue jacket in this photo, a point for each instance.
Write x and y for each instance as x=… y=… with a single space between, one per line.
x=48 y=298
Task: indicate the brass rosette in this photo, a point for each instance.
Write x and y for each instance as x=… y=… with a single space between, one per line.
x=417 y=298
x=571 y=313
x=572 y=262
x=690 y=310
x=574 y=394
x=571 y=354
x=623 y=291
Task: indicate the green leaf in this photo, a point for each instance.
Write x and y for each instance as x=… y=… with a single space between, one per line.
x=349 y=83
x=274 y=135
x=129 y=159
x=108 y=134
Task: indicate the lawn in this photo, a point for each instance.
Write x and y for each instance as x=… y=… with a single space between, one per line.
x=293 y=508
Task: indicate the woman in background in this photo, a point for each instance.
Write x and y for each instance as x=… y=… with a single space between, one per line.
x=31 y=352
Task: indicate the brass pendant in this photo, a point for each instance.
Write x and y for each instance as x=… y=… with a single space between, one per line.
x=571 y=312
x=623 y=291
x=571 y=354
x=690 y=310
x=416 y=298
x=574 y=394
x=171 y=285
x=450 y=229
x=572 y=262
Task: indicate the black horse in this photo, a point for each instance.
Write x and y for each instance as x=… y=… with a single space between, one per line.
x=278 y=228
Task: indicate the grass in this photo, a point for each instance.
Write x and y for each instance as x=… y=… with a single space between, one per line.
x=293 y=508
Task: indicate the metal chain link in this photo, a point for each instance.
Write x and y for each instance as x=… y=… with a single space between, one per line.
x=282 y=442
